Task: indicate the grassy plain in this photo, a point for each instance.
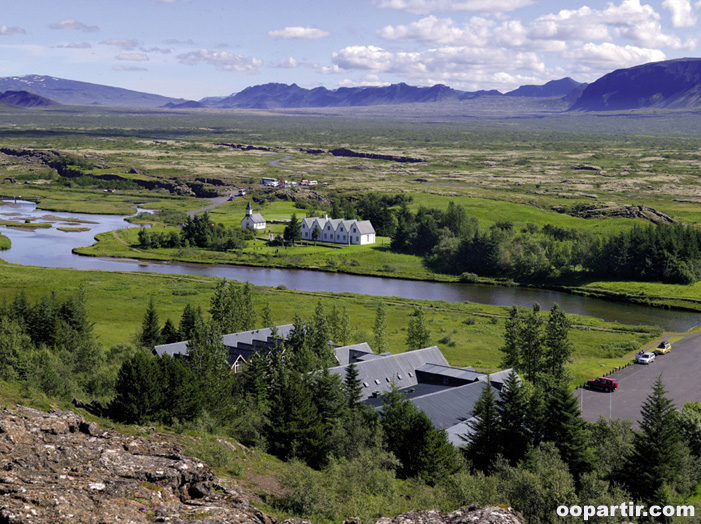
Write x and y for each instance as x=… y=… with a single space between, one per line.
x=527 y=163
x=467 y=333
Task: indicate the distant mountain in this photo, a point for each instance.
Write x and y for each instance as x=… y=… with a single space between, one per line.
x=71 y=92
x=274 y=95
x=25 y=99
x=668 y=84
x=190 y=104
x=562 y=87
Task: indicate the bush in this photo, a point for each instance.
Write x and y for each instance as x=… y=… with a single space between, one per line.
x=469 y=278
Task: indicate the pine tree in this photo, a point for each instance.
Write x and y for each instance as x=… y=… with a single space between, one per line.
x=558 y=348
x=293 y=231
x=334 y=324
x=418 y=335
x=380 y=342
x=656 y=456
x=514 y=439
x=483 y=441
x=267 y=316
x=150 y=327
x=566 y=428
x=318 y=338
x=169 y=333
x=208 y=361
x=354 y=388
x=138 y=390
x=190 y=321
x=531 y=344
x=512 y=340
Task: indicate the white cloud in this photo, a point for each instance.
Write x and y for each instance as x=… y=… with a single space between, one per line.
x=9 y=31
x=81 y=45
x=598 y=59
x=128 y=68
x=299 y=33
x=629 y=20
x=122 y=43
x=441 y=31
x=287 y=63
x=366 y=80
x=221 y=60
x=73 y=25
x=424 y=7
x=682 y=12
x=132 y=57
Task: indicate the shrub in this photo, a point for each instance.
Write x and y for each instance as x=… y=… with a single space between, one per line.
x=469 y=278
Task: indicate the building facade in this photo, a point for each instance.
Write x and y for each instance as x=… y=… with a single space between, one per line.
x=338 y=230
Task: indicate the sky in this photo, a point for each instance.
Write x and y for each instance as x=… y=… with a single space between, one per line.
x=197 y=48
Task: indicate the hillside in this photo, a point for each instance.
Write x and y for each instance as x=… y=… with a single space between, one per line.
x=71 y=92
x=562 y=87
x=671 y=84
x=24 y=99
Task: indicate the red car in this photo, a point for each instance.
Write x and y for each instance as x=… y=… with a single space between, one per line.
x=603 y=384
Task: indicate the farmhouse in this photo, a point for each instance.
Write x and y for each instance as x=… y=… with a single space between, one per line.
x=253 y=220
x=338 y=230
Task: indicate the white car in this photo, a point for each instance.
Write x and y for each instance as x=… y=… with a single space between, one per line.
x=646 y=358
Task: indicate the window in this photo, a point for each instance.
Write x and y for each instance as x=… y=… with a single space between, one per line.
x=357 y=239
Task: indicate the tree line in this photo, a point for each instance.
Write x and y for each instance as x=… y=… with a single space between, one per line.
x=198 y=231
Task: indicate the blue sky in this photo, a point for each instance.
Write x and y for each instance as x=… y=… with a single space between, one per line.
x=197 y=48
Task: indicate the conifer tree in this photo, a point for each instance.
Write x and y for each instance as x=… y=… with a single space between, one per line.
x=656 y=455
x=380 y=341
x=334 y=324
x=138 y=390
x=293 y=230
x=295 y=428
x=150 y=327
x=531 y=344
x=566 y=428
x=558 y=348
x=483 y=442
x=353 y=386
x=512 y=340
x=319 y=337
x=190 y=321
x=267 y=316
x=169 y=333
x=514 y=439
x=418 y=335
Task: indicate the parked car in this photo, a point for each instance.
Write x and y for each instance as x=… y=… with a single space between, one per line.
x=664 y=348
x=646 y=358
x=603 y=384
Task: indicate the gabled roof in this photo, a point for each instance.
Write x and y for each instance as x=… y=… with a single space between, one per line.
x=257 y=218
x=176 y=348
x=365 y=227
x=452 y=405
x=347 y=354
x=379 y=373
x=250 y=338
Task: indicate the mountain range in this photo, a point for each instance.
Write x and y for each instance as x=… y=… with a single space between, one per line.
x=668 y=84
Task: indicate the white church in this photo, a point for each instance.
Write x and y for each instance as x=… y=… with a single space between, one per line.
x=254 y=220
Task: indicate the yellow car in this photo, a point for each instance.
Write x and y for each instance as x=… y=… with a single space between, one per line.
x=664 y=348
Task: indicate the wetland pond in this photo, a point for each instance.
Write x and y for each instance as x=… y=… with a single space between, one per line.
x=52 y=247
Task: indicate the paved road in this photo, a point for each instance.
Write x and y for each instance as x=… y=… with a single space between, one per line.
x=681 y=375
x=214 y=202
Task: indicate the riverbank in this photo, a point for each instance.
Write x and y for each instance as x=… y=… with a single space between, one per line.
x=5 y=243
x=379 y=261
x=468 y=334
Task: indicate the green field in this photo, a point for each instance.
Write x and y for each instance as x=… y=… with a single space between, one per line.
x=468 y=334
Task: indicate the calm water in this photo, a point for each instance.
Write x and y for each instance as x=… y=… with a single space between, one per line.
x=52 y=248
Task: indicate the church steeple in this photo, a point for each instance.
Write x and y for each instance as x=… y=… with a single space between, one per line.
x=249 y=210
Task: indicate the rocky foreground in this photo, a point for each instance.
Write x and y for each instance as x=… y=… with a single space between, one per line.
x=56 y=467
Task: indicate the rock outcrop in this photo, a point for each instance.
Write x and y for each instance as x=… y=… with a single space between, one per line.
x=57 y=467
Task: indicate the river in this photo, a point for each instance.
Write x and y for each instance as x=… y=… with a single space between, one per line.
x=50 y=247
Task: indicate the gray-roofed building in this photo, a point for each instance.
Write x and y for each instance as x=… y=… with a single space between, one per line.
x=377 y=374
x=347 y=354
x=241 y=345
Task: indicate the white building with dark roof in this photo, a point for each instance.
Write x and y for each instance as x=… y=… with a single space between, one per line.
x=253 y=220
x=338 y=230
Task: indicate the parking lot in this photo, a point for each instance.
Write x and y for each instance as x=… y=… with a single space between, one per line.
x=681 y=375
